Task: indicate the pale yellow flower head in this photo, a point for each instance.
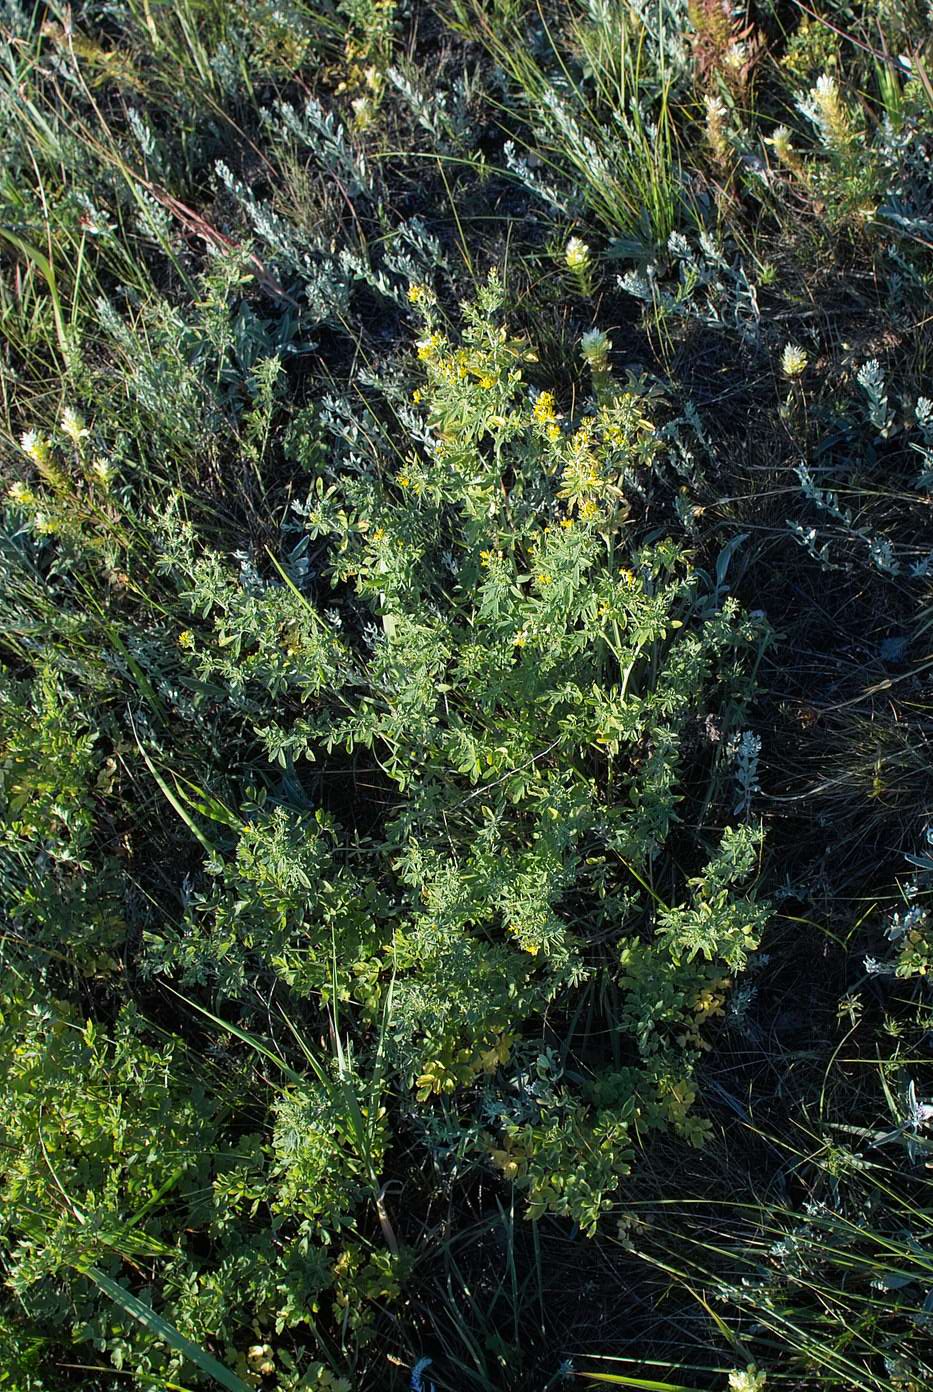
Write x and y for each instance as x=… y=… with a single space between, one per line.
x=577 y=256
x=595 y=346
x=36 y=446
x=747 y=1380
x=73 y=425
x=793 y=360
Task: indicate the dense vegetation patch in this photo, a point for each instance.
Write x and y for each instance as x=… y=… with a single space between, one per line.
x=464 y=724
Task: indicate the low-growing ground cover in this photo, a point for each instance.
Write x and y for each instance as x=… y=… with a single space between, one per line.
x=464 y=708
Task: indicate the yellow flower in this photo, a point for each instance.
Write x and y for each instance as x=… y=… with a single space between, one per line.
x=780 y=142
x=543 y=410
x=566 y=523
x=186 y=638
x=716 y=114
x=36 y=446
x=485 y=557
x=577 y=255
x=73 y=426
x=427 y=348
x=831 y=110
x=793 y=360
x=416 y=394
x=417 y=294
x=487 y=382
x=21 y=494
x=543 y=578
x=747 y=1379
x=403 y=481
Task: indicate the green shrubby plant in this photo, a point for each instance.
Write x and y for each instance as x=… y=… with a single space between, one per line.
x=99 y=1131
x=868 y=167
x=909 y=954
x=528 y=682
x=851 y=431
x=529 y=697
x=127 y=1160
x=703 y=282
x=56 y=892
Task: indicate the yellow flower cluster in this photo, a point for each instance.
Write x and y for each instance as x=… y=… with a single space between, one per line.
x=582 y=474
x=543 y=410
x=21 y=494
x=577 y=255
x=832 y=111
x=783 y=147
x=621 y=423
x=544 y=413
x=793 y=360
x=36 y=446
x=73 y=426
x=716 y=128
x=429 y=347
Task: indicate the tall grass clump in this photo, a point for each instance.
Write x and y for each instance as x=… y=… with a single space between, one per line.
x=595 y=88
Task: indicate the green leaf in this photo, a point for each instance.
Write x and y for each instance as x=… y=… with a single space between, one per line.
x=647 y=1384
x=147 y=1317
